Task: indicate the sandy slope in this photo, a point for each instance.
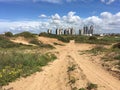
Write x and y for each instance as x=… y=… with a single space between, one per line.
x=20 y=40
x=55 y=76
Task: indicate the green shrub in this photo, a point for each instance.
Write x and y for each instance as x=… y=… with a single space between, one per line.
x=92 y=38
x=92 y=86
x=35 y=41
x=116 y=45
x=8 y=34
x=97 y=50
x=117 y=57
x=82 y=89
x=26 y=34
x=71 y=68
x=14 y=65
x=6 y=43
x=72 y=80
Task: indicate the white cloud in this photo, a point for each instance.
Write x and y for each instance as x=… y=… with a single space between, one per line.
x=106 y=21
x=56 y=17
x=10 y=0
x=43 y=16
x=71 y=18
x=70 y=0
x=55 y=1
x=107 y=1
x=106 y=15
x=49 y=1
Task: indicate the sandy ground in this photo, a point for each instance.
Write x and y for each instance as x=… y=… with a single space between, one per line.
x=20 y=40
x=55 y=76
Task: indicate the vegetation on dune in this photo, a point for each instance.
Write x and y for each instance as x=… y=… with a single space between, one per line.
x=109 y=55
x=59 y=37
x=14 y=64
x=90 y=86
x=40 y=44
x=106 y=40
x=8 y=34
x=6 y=43
x=58 y=44
x=98 y=49
x=117 y=45
x=26 y=34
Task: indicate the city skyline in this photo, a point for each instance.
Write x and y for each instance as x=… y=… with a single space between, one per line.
x=39 y=15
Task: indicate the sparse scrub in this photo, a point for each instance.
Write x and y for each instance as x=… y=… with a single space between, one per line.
x=58 y=44
x=72 y=80
x=40 y=44
x=6 y=43
x=35 y=41
x=97 y=50
x=14 y=64
x=117 y=57
x=59 y=37
x=74 y=88
x=71 y=68
x=82 y=89
x=92 y=86
x=117 y=46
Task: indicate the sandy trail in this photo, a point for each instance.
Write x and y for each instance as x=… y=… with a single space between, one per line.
x=55 y=75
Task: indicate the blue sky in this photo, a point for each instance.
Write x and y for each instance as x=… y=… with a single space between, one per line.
x=39 y=15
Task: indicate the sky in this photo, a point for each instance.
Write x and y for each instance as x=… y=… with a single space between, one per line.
x=39 y=15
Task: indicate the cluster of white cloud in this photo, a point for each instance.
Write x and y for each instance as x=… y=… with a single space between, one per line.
x=60 y=1
x=104 y=22
x=108 y=1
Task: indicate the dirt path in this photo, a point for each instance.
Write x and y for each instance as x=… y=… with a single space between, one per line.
x=56 y=76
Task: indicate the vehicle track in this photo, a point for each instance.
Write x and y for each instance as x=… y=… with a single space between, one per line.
x=55 y=75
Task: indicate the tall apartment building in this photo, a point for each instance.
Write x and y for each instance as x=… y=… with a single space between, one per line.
x=49 y=31
x=69 y=31
x=59 y=31
x=87 y=31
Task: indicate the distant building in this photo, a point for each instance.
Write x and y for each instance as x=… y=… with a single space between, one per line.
x=69 y=31
x=72 y=31
x=49 y=31
x=87 y=31
x=91 y=29
x=59 y=31
x=80 y=32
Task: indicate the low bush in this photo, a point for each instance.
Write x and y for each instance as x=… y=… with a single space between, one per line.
x=6 y=43
x=14 y=65
x=82 y=89
x=116 y=45
x=26 y=34
x=59 y=37
x=92 y=86
x=35 y=41
x=117 y=57
x=8 y=34
x=71 y=68
x=40 y=44
x=97 y=50
x=92 y=38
